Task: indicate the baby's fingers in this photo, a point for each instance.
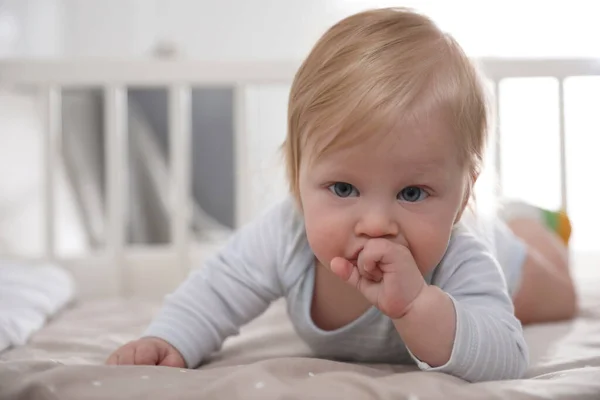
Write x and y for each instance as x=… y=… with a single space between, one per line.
x=146 y=353
x=347 y=272
x=371 y=271
x=342 y=268
x=173 y=359
x=122 y=356
x=113 y=359
x=368 y=264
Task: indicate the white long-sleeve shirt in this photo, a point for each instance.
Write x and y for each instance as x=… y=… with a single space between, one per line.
x=270 y=258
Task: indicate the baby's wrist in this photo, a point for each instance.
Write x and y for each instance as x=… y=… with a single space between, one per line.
x=426 y=298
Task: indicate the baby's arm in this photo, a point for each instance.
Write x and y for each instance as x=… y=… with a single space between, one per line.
x=488 y=341
x=428 y=328
x=231 y=289
x=462 y=323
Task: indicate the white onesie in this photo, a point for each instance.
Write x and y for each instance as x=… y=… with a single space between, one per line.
x=271 y=258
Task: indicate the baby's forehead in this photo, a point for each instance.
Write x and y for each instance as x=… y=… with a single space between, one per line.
x=375 y=159
x=431 y=140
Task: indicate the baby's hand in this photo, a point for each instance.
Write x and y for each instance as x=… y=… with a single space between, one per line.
x=147 y=351
x=386 y=274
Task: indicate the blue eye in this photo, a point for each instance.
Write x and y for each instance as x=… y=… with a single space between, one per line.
x=412 y=194
x=343 y=189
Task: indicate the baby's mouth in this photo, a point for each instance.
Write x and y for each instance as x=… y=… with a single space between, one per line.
x=354 y=258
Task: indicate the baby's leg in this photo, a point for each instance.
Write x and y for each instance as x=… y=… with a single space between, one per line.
x=546 y=291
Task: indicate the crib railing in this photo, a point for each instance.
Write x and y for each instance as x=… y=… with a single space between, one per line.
x=126 y=267
x=499 y=69
x=119 y=263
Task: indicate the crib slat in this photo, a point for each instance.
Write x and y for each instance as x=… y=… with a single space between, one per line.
x=497 y=139
x=52 y=110
x=563 y=144
x=180 y=156
x=115 y=109
x=242 y=179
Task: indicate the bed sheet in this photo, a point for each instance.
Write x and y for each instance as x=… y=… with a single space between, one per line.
x=268 y=361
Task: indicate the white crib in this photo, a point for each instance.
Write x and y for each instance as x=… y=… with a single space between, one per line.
x=268 y=360
x=120 y=269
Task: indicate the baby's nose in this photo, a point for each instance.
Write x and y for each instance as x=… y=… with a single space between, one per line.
x=377 y=223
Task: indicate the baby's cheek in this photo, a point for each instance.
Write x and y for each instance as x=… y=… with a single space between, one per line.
x=322 y=239
x=429 y=250
x=317 y=238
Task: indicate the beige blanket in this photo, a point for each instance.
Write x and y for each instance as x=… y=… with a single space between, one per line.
x=268 y=361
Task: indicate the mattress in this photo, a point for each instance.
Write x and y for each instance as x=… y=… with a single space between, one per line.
x=268 y=361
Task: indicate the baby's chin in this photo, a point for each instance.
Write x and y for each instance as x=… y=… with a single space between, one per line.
x=321 y=263
x=324 y=262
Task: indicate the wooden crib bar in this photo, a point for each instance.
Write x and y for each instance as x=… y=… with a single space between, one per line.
x=52 y=118
x=89 y=72
x=563 y=144
x=180 y=158
x=116 y=148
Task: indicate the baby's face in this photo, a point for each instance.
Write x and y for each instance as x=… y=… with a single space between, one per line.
x=407 y=186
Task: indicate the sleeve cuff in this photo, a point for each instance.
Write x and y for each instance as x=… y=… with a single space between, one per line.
x=175 y=333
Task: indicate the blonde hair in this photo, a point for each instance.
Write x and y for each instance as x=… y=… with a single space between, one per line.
x=375 y=67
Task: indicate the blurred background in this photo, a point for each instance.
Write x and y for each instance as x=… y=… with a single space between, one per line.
x=269 y=30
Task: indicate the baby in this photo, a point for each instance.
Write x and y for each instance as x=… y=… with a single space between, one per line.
x=376 y=250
